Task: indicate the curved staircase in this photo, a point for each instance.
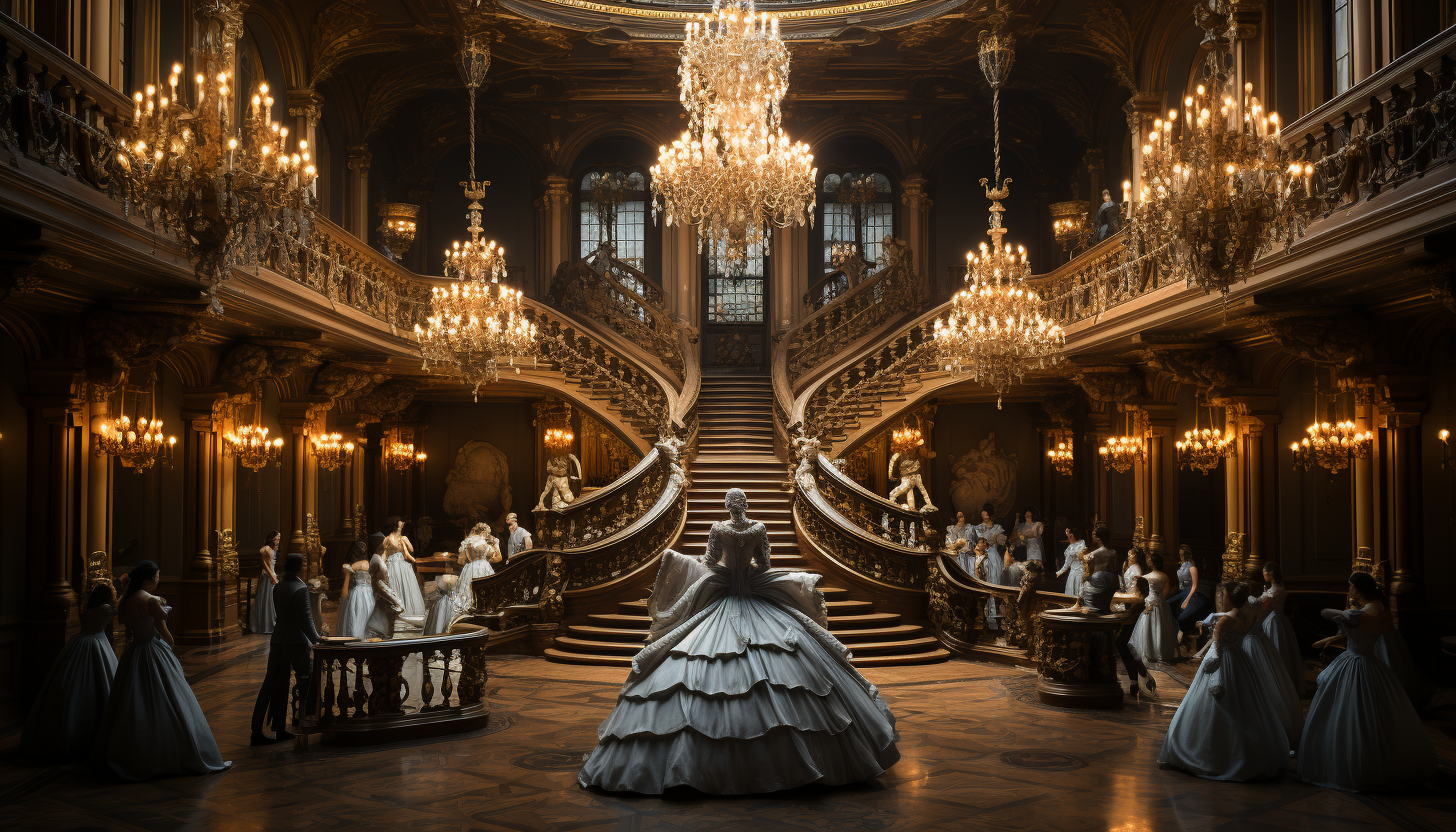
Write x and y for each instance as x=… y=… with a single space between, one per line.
x=735 y=449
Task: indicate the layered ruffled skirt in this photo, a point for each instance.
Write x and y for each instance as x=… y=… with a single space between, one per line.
x=741 y=694
x=62 y=723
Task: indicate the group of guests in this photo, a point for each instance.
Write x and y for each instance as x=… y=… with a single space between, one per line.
x=988 y=552
x=135 y=719
x=1242 y=717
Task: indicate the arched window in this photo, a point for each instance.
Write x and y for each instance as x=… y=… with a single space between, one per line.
x=857 y=209
x=614 y=210
x=735 y=298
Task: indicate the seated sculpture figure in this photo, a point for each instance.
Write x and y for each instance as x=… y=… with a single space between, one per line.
x=558 y=482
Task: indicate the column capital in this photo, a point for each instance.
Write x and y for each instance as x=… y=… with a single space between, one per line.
x=556 y=193
x=306 y=104
x=358 y=157
x=913 y=194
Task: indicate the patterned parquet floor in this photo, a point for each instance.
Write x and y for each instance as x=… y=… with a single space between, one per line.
x=979 y=752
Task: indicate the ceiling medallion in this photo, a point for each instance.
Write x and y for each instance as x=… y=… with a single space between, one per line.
x=1218 y=187
x=996 y=331
x=734 y=173
x=478 y=324
x=225 y=189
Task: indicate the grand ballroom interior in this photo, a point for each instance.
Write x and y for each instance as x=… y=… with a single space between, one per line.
x=502 y=297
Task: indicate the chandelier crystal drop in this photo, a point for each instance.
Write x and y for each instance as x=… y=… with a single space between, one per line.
x=477 y=325
x=1202 y=449
x=734 y=173
x=1331 y=445
x=1121 y=453
x=332 y=451
x=1218 y=187
x=996 y=331
x=224 y=183
x=1060 y=454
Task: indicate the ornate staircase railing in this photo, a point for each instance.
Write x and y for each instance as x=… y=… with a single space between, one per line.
x=958 y=603
x=602 y=288
x=863 y=552
x=868 y=511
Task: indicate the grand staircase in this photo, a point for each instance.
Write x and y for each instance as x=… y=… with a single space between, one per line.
x=735 y=449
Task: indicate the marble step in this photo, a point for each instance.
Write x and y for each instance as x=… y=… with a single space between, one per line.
x=889 y=660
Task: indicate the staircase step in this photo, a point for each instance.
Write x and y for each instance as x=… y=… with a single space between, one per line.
x=849 y=607
x=855 y=622
x=589 y=633
x=567 y=657
x=897 y=631
x=891 y=660
x=577 y=645
x=619 y=621
x=880 y=648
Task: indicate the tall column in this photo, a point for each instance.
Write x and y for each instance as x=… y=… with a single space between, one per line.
x=1234 y=498
x=1141 y=109
x=1363 y=473
x=553 y=235
x=202 y=614
x=200 y=466
x=356 y=190
x=1402 y=409
x=1249 y=50
x=1254 y=518
x=306 y=106
x=98 y=482
x=915 y=230
x=1362 y=39
x=56 y=467
x=789 y=281
x=146 y=29
x=682 y=273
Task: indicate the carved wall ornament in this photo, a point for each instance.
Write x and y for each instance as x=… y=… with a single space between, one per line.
x=342 y=381
x=248 y=363
x=1211 y=369
x=388 y=398
x=227 y=554
x=343 y=30
x=984 y=475
x=115 y=340
x=1108 y=385
x=1341 y=339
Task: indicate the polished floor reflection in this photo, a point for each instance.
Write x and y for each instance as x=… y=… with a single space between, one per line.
x=979 y=752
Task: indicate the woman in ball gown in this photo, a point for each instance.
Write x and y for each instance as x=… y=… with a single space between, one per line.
x=153 y=724
x=1136 y=567
x=741 y=689
x=1225 y=729
x=261 y=614
x=1391 y=648
x=1155 y=636
x=387 y=604
x=1073 y=564
x=1194 y=599
x=1362 y=733
x=1285 y=699
x=991 y=532
x=479 y=552
x=356 y=602
x=1277 y=627
x=1029 y=532
x=62 y=724
x=399 y=555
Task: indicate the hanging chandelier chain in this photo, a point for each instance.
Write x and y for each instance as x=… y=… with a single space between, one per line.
x=996 y=128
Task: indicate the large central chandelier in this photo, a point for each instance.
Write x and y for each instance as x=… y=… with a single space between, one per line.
x=996 y=331
x=224 y=182
x=734 y=173
x=1218 y=187
x=478 y=324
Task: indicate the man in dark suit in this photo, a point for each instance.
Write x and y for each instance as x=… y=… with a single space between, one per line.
x=1097 y=595
x=291 y=647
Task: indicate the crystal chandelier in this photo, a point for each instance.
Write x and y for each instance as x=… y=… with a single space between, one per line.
x=905 y=438
x=1331 y=446
x=223 y=183
x=252 y=447
x=478 y=323
x=558 y=440
x=734 y=173
x=1202 y=449
x=332 y=451
x=401 y=456
x=996 y=331
x=1122 y=452
x=1060 y=454
x=1218 y=187
x=397 y=226
x=136 y=446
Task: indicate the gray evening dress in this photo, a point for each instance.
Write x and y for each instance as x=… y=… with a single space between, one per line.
x=1226 y=727
x=1362 y=734
x=741 y=688
x=356 y=607
x=62 y=724
x=153 y=725
x=1074 y=568
x=1280 y=630
x=405 y=583
x=261 y=615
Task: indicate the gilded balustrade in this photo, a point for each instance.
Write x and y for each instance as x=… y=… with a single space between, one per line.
x=604 y=289
x=872 y=513
x=957 y=606
x=895 y=370
x=861 y=551
x=371 y=692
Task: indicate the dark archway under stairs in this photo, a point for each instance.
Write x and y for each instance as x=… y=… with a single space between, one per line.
x=735 y=449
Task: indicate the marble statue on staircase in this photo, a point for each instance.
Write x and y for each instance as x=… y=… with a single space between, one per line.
x=558 y=482
x=911 y=480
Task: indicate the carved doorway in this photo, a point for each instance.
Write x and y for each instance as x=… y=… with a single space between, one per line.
x=735 y=316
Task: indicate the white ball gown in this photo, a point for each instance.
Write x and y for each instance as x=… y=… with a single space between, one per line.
x=356 y=607
x=1362 y=734
x=1226 y=728
x=62 y=724
x=442 y=610
x=1285 y=701
x=262 y=613
x=405 y=584
x=1155 y=636
x=388 y=606
x=153 y=725
x=1277 y=627
x=1074 y=568
x=741 y=688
